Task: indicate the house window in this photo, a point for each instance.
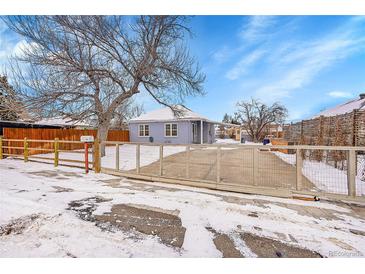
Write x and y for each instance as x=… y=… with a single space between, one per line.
x=170 y=130
x=144 y=130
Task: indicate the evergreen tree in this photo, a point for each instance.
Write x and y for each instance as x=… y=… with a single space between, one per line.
x=9 y=106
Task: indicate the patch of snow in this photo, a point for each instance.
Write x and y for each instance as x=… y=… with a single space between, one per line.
x=325 y=177
x=226 y=141
x=59 y=121
x=234 y=142
x=127 y=155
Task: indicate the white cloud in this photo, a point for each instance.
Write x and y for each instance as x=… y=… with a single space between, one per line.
x=257 y=27
x=252 y=31
x=23 y=46
x=340 y=94
x=307 y=59
x=9 y=45
x=244 y=64
x=222 y=54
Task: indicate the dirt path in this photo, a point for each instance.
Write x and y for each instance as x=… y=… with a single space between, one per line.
x=236 y=168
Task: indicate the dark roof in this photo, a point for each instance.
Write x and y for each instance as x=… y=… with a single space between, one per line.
x=19 y=124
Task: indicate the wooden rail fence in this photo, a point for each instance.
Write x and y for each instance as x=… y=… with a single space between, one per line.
x=52 y=154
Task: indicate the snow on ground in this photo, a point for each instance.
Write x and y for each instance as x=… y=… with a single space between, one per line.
x=127 y=155
x=59 y=232
x=325 y=177
x=230 y=141
x=29 y=188
x=226 y=141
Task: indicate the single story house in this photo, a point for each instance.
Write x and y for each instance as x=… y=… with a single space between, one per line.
x=164 y=126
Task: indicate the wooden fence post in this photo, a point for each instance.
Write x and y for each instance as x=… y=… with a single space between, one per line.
x=255 y=167
x=1 y=148
x=117 y=156
x=354 y=128
x=26 y=152
x=56 y=152
x=218 y=164
x=161 y=160
x=351 y=173
x=96 y=156
x=299 y=165
x=138 y=154
x=187 y=162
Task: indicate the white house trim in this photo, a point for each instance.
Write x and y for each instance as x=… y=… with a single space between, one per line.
x=201 y=131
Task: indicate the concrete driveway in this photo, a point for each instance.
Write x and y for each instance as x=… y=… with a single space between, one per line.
x=236 y=168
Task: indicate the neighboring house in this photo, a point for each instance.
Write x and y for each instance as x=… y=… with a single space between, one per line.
x=274 y=130
x=163 y=126
x=357 y=104
x=45 y=123
x=341 y=125
x=238 y=132
x=233 y=131
x=23 y=124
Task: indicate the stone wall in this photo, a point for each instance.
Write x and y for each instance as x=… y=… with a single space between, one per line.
x=341 y=130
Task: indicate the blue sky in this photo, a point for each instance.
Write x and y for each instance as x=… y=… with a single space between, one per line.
x=308 y=63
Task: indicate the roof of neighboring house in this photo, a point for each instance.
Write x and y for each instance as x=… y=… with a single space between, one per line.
x=356 y=104
x=62 y=122
x=23 y=124
x=166 y=114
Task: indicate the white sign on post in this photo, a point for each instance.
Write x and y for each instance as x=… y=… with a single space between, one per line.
x=87 y=139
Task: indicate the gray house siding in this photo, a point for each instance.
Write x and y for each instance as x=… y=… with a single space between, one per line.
x=185 y=133
x=157 y=132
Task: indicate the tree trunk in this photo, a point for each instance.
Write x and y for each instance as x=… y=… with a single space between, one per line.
x=102 y=136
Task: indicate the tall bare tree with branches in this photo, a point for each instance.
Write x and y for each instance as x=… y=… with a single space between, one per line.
x=88 y=66
x=255 y=116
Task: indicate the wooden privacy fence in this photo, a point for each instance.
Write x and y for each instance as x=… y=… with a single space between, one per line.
x=15 y=137
x=341 y=130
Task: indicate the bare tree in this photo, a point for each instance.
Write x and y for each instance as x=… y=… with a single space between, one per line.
x=125 y=112
x=255 y=116
x=88 y=66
